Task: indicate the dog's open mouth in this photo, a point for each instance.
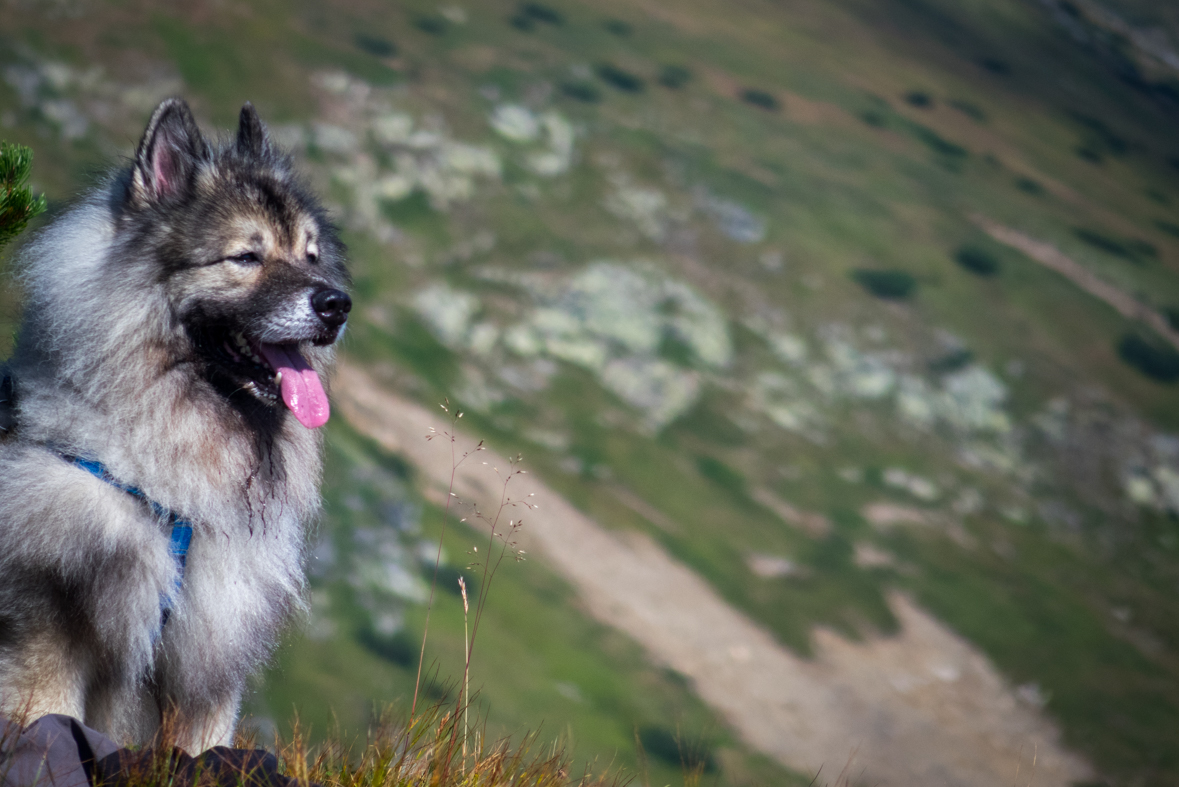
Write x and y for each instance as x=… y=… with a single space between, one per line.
x=275 y=371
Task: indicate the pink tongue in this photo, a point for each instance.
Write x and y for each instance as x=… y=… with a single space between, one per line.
x=301 y=389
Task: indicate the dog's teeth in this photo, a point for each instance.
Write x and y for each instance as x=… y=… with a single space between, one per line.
x=278 y=378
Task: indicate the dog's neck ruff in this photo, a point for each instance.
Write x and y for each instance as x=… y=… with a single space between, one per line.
x=181 y=536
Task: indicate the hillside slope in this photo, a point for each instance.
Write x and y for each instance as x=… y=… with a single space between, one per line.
x=723 y=273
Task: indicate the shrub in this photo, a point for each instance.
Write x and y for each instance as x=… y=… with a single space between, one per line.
x=618 y=27
x=1151 y=356
x=919 y=99
x=1141 y=248
x=375 y=45
x=995 y=65
x=888 y=284
x=674 y=77
x=1168 y=227
x=1099 y=137
x=874 y=117
x=1029 y=186
x=618 y=78
x=1172 y=315
x=937 y=143
x=540 y=12
x=1131 y=249
x=434 y=25
x=694 y=755
x=1100 y=240
x=1158 y=196
x=760 y=98
x=581 y=91
x=721 y=474
x=951 y=362
x=977 y=260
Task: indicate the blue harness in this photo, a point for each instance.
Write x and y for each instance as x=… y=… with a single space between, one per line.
x=181 y=528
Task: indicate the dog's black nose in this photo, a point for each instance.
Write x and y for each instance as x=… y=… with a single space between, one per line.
x=332 y=306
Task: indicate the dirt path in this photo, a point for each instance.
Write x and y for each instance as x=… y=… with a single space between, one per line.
x=920 y=708
x=1053 y=258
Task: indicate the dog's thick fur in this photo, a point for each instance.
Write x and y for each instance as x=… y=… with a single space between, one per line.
x=133 y=301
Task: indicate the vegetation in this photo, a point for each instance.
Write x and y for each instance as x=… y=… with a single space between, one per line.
x=429 y=750
x=1151 y=356
x=539 y=12
x=1054 y=567
x=937 y=143
x=581 y=91
x=674 y=77
x=1029 y=186
x=18 y=206
x=695 y=756
x=619 y=78
x=761 y=99
x=970 y=109
x=977 y=260
x=919 y=99
x=434 y=24
x=618 y=27
x=375 y=45
x=1172 y=315
x=1131 y=249
x=887 y=284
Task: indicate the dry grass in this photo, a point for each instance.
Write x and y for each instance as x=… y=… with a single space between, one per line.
x=428 y=751
x=425 y=751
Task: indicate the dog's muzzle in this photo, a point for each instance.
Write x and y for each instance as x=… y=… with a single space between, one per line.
x=332 y=306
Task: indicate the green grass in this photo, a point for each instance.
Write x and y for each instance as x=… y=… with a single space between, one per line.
x=847 y=182
x=1046 y=596
x=538 y=664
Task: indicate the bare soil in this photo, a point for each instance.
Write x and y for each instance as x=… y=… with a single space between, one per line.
x=923 y=707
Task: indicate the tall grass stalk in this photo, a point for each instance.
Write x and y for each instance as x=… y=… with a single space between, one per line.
x=489 y=562
x=455 y=463
x=466 y=695
x=506 y=539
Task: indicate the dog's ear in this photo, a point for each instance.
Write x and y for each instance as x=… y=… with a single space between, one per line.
x=168 y=154
x=252 y=139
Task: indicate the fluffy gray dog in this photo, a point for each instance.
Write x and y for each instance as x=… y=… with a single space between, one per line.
x=167 y=383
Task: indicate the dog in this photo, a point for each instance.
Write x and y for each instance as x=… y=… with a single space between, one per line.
x=161 y=463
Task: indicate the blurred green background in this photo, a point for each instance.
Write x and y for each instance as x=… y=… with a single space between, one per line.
x=763 y=267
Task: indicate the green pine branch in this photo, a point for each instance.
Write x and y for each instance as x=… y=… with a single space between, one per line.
x=17 y=203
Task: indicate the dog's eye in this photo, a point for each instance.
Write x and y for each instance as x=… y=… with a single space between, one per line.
x=246 y=258
x=313 y=257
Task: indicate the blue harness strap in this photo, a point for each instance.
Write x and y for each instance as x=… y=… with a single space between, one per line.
x=181 y=536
